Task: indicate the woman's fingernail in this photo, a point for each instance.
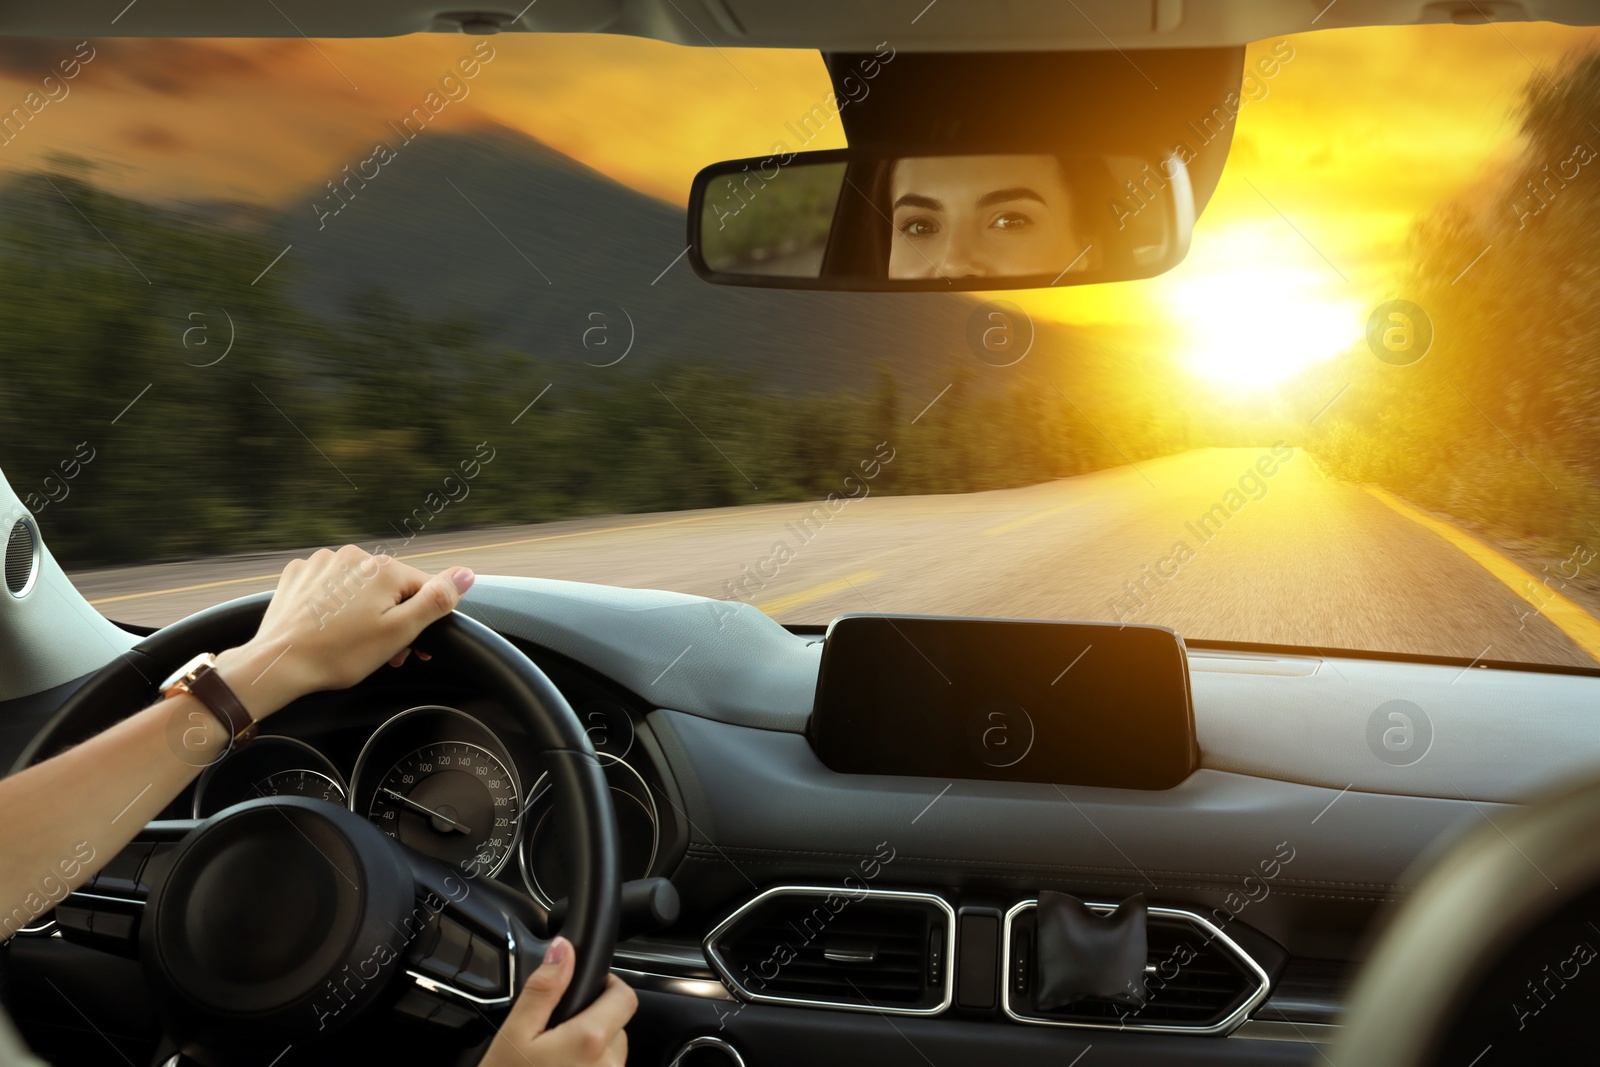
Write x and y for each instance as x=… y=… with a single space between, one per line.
x=463 y=577
x=556 y=954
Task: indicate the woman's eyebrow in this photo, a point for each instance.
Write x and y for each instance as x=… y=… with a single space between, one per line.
x=917 y=200
x=1000 y=196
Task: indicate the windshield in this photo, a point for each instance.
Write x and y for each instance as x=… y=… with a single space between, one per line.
x=429 y=295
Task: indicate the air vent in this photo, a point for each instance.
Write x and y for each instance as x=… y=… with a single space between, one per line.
x=22 y=557
x=1197 y=979
x=872 y=950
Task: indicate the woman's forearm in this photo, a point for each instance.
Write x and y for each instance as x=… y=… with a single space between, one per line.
x=62 y=819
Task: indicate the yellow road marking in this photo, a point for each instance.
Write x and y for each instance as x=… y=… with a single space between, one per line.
x=1569 y=618
x=781 y=604
x=257 y=578
x=1026 y=520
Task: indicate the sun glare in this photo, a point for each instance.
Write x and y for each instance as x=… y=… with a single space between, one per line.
x=1248 y=315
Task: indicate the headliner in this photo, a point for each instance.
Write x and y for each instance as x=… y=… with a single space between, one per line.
x=828 y=25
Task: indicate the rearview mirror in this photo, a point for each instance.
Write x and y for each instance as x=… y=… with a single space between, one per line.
x=849 y=220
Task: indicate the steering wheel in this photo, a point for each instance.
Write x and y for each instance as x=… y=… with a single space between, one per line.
x=1495 y=958
x=284 y=919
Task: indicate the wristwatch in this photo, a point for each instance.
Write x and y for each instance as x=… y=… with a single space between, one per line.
x=199 y=679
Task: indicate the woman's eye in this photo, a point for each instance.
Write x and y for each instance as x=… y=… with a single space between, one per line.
x=1011 y=220
x=920 y=226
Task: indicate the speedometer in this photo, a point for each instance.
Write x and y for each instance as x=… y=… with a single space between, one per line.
x=452 y=800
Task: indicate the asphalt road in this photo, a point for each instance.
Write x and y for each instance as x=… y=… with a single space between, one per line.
x=1289 y=558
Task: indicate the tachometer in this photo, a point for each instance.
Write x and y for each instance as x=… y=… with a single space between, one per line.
x=301 y=783
x=271 y=766
x=452 y=800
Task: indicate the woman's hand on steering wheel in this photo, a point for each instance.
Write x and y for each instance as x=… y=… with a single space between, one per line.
x=337 y=617
x=592 y=1038
x=334 y=619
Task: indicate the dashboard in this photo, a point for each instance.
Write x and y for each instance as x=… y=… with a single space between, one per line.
x=904 y=907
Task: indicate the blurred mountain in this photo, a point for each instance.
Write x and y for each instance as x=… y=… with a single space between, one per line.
x=541 y=252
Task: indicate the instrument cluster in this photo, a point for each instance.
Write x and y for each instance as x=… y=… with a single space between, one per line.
x=442 y=782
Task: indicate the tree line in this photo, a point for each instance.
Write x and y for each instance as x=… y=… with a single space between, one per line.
x=1498 y=424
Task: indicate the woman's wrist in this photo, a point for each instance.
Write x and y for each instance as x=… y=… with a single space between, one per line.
x=260 y=677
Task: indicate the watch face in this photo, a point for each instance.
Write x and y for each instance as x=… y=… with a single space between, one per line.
x=204 y=659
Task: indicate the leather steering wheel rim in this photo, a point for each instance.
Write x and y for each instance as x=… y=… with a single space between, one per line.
x=586 y=821
x=1496 y=887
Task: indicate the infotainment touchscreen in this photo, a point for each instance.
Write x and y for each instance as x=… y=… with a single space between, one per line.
x=1063 y=702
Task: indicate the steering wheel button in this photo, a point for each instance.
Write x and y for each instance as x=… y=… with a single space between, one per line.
x=417 y=1004
x=120 y=876
x=156 y=866
x=75 y=920
x=431 y=1009
x=450 y=952
x=483 y=973
x=114 y=926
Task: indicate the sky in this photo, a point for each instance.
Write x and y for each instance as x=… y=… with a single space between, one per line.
x=1359 y=134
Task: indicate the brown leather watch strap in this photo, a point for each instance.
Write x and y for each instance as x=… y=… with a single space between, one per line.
x=207 y=685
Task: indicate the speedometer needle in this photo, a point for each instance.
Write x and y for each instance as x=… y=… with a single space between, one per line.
x=408 y=802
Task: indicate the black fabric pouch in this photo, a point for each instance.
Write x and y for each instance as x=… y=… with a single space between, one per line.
x=1083 y=954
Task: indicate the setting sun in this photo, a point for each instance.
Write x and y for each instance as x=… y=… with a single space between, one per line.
x=1255 y=311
